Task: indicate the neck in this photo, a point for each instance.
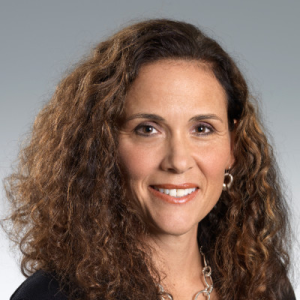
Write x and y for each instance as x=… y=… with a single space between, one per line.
x=178 y=260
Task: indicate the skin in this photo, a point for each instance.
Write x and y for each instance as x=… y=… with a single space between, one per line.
x=175 y=131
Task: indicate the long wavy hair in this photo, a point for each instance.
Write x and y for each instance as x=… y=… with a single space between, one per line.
x=70 y=214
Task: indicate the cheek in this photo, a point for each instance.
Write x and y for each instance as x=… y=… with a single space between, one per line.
x=214 y=164
x=137 y=162
x=137 y=165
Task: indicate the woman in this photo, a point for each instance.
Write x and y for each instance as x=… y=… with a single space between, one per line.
x=149 y=176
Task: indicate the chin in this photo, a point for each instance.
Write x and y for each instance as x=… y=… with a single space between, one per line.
x=173 y=228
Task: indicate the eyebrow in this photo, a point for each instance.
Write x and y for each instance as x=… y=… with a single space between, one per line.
x=205 y=117
x=146 y=116
x=159 y=118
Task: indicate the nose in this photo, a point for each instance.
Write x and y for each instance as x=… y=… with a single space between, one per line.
x=178 y=157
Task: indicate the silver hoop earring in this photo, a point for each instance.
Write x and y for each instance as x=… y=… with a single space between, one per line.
x=228 y=180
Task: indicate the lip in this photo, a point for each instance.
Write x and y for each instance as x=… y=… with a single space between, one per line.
x=174 y=200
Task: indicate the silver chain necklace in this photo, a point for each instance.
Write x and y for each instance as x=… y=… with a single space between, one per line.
x=206 y=271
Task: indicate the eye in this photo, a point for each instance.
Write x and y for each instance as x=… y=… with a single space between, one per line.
x=145 y=130
x=203 y=129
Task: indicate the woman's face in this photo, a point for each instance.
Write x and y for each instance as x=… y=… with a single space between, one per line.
x=174 y=144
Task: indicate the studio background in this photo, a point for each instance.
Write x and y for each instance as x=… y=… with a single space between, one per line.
x=40 y=40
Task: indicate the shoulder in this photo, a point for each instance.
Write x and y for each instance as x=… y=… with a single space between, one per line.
x=287 y=291
x=39 y=286
x=290 y=295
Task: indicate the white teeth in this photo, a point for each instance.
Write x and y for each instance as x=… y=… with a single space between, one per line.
x=176 y=192
x=172 y=193
x=180 y=193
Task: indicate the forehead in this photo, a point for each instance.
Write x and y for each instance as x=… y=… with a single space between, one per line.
x=168 y=84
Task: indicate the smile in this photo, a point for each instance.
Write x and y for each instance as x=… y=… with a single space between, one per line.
x=177 y=193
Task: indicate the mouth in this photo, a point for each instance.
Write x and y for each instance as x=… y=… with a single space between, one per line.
x=175 y=194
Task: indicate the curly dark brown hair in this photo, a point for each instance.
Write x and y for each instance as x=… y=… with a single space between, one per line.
x=70 y=213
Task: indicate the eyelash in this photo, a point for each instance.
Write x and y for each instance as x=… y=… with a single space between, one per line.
x=206 y=127
x=140 y=129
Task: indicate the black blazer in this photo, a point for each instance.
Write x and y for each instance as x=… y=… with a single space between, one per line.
x=42 y=286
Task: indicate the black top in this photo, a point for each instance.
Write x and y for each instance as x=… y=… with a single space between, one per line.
x=42 y=286
x=39 y=286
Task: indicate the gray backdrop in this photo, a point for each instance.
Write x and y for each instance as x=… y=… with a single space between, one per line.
x=41 y=39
